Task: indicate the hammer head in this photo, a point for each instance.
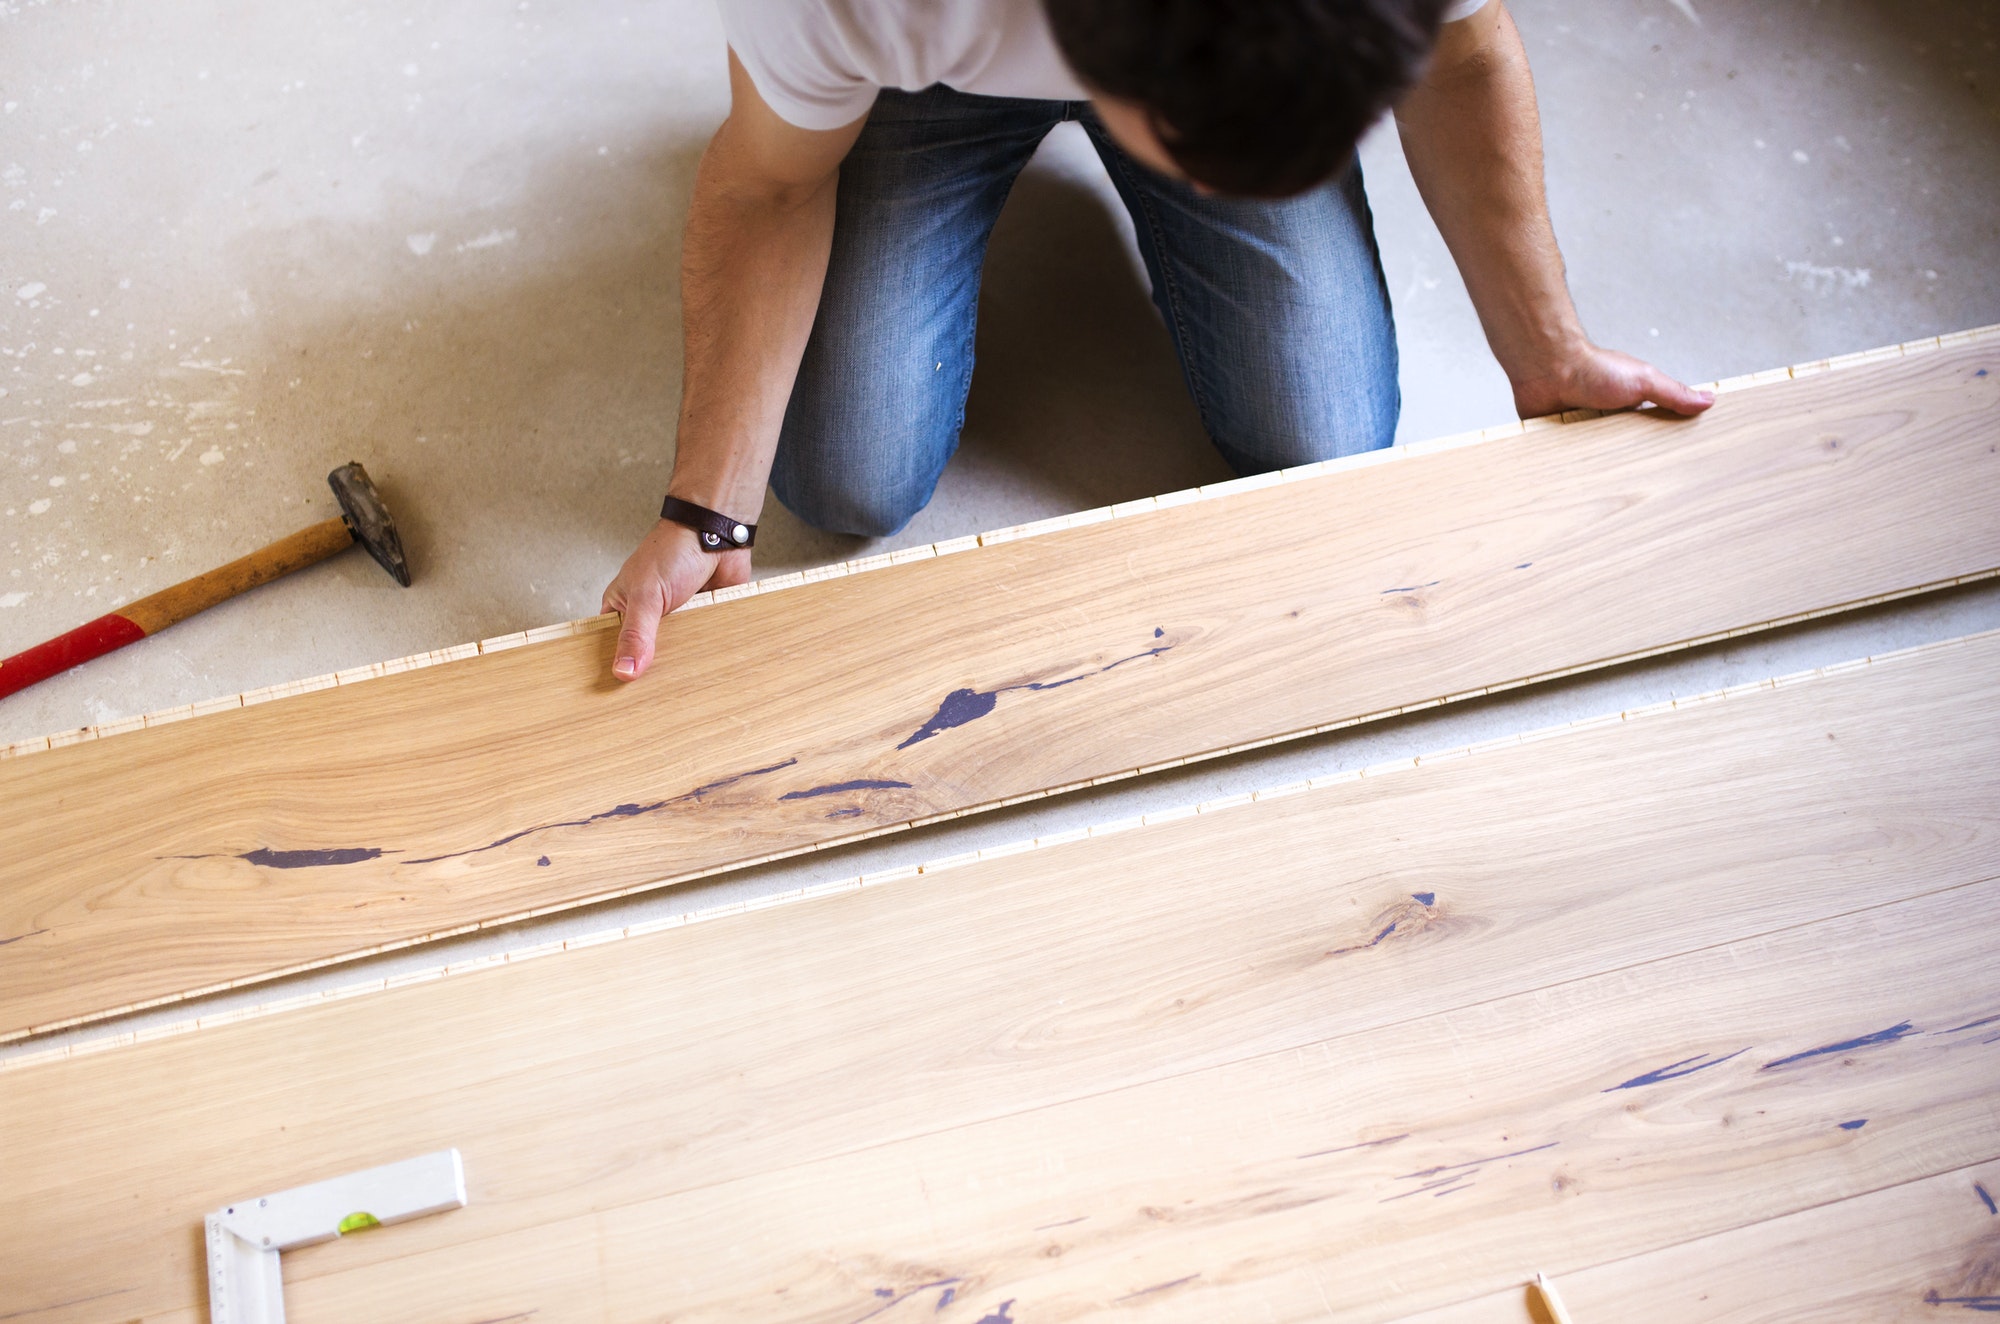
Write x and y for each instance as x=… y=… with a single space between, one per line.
x=368 y=519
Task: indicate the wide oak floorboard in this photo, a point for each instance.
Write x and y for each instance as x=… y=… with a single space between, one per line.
x=147 y=866
x=1359 y=1179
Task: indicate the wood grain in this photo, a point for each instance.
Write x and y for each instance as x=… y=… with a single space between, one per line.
x=1923 y=1251
x=218 y=851
x=1475 y=949
x=1278 y=1188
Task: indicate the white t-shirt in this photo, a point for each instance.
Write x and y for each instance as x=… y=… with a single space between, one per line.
x=819 y=63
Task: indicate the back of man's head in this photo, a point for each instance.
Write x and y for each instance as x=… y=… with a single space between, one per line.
x=1258 y=98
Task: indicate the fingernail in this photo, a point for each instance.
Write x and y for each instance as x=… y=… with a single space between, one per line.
x=625 y=666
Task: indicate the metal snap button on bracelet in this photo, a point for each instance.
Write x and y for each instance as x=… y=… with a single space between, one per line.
x=717 y=532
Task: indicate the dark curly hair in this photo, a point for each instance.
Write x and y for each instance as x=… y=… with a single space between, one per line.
x=1258 y=98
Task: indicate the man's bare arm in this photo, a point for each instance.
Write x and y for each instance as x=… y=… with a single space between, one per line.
x=759 y=228
x=1474 y=143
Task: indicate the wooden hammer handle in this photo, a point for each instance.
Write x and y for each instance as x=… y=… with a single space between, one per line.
x=155 y=612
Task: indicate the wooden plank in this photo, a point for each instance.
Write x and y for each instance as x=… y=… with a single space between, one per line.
x=1215 y=1196
x=946 y=547
x=212 y=852
x=730 y=1051
x=181 y=859
x=1922 y=1251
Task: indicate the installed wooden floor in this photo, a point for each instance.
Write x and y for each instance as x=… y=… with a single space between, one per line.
x=210 y=852
x=1622 y=1004
x=1855 y=1259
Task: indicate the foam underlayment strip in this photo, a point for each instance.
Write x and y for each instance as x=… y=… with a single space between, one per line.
x=21 y=1060
x=778 y=583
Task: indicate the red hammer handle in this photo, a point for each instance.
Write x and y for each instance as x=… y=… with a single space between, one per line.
x=154 y=613
x=94 y=639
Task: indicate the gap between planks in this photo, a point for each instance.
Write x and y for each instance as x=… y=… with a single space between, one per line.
x=778 y=583
x=817 y=891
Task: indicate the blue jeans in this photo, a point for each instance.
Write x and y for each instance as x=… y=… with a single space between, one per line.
x=1277 y=310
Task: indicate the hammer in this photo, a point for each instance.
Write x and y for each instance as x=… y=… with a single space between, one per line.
x=363 y=519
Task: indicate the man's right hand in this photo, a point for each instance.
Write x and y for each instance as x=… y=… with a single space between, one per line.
x=668 y=568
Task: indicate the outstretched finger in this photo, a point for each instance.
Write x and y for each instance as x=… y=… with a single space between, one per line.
x=1668 y=393
x=635 y=638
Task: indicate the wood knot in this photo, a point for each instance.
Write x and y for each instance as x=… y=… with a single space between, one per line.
x=1405 y=919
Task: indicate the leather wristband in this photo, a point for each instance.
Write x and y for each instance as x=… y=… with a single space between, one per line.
x=718 y=532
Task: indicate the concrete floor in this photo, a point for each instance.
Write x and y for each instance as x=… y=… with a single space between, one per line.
x=244 y=243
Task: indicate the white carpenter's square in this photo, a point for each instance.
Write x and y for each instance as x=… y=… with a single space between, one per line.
x=245 y=1238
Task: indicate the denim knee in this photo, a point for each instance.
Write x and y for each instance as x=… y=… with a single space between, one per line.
x=1283 y=426
x=861 y=451
x=1277 y=309
x=876 y=407
x=848 y=504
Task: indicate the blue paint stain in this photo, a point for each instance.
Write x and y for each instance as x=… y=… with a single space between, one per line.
x=17 y=937
x=891 y=1298
x=835 y=788
x=958 y=708
x=616 y=811
x=1423 y=898
x=1971 y=1025
x=1158 y=633
x=1687 y=1066
x=945 y=1299
x=999 y=1316
x=1854 y=1125
x=852 y=811
x=1412 y=588
x=1986 y=1198
x=1985 y=1305
x=1524 y=565
x=1980 y=373
x=267 y=858
x=1888 y=1036
x=963 y=706
x=1375 y=941
x=543 y=862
